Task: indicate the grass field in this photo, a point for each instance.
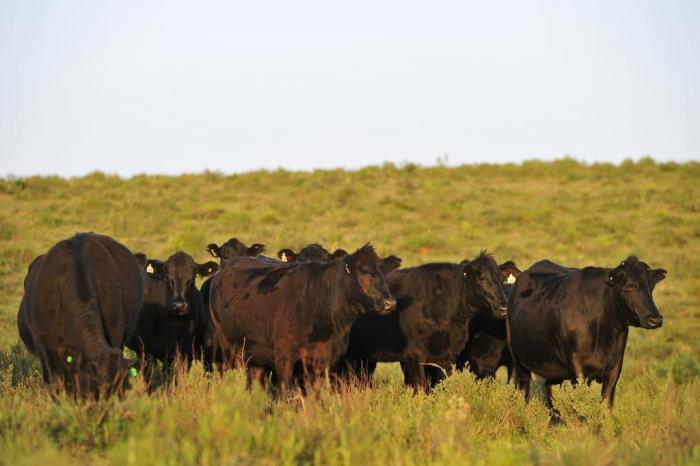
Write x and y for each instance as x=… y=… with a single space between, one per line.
x=565 y=211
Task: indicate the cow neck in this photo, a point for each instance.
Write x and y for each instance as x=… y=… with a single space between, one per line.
x=344 y=308
x=468 y=297
x=615 y=311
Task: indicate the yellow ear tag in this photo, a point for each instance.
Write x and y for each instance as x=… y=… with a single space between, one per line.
x=511 y=279
x=133 y=372
x=69 y=359
x=284 y=257
x=149 y=268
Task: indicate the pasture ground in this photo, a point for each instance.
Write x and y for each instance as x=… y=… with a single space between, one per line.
x=568 y=212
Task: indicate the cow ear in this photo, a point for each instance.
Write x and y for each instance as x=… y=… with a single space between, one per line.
x=287 y=255
x=465 y=267
x=214 y=250
x=141 y=259
x=154 y=267
x=509 y=268
x=256 y=249
x=70 y=355
x=391 y=263
x=207 y=268
x=339 y=253
x=656 y=275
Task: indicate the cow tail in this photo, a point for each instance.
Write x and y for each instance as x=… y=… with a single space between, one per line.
x=90 y=316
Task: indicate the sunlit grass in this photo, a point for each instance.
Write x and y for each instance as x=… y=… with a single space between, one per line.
x=565 y=211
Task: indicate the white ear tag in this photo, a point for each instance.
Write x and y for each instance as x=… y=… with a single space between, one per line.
x=149 y=268
x=510 y=280
x=347 y=269
x=284 y=257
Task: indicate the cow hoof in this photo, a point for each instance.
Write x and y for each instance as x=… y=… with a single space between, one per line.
x=555 y=418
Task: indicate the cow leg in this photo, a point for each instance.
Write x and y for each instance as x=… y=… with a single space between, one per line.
x=407 y=380
x=522 y=378
x=414 y=373
x=254 y=375
x=314 y=370
x=609 y=383
x=45 y=373
x=555 y=415
x=361 y=371
x=284 y=367
x=368 y=371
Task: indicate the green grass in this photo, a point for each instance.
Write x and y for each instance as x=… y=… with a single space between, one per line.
x=568 y=212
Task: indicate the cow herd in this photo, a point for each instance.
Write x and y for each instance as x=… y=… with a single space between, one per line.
x=303 y=318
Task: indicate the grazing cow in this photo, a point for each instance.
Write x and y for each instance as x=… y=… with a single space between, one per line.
x=232 y=249
x=81 y=304
x=311 y=253
x=487 y=348
x=275 y=315
x=571 y=324
x=435 y=303
x=173 y=318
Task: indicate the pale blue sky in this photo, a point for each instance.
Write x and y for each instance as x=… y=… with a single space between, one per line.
x=170 y=87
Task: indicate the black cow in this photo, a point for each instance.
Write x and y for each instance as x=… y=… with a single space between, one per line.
x=81 y=304
x=227 y=252
x=435 y=303
x=275 y=315
x=232 y=249
x=487 y=348
x=571 y=324
x=173 y=318
x=310 y=253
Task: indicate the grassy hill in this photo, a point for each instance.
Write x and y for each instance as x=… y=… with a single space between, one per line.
x=568 y=212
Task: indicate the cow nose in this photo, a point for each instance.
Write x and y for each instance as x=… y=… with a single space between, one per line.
x=655 y=322
x=503 y=311
x=389 y=304
x=179 y=306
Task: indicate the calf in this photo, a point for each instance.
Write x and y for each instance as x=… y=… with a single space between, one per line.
x=173 y=318
x=435 y=303
x=275 y=315
x=311 y=253
x=81 y=304
x=570 y=324
x=487 y=348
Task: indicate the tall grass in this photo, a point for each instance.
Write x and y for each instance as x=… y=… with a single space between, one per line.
x=565 y=211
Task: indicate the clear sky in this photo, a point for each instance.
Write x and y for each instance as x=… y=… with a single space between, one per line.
x=169 y=87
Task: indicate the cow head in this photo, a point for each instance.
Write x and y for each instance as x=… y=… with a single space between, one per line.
x=366 y=273
x=510 y=273
x=100 y=373
x=634 y=281
x=234 y=248
x=178 y=273
x=311 y=253
x=484 y=282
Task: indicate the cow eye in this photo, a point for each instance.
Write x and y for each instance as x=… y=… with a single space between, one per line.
x=630 y=287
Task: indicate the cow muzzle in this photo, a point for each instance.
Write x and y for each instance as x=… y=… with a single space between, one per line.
x=654 y=322
x=180 y=307
x=387 y=305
